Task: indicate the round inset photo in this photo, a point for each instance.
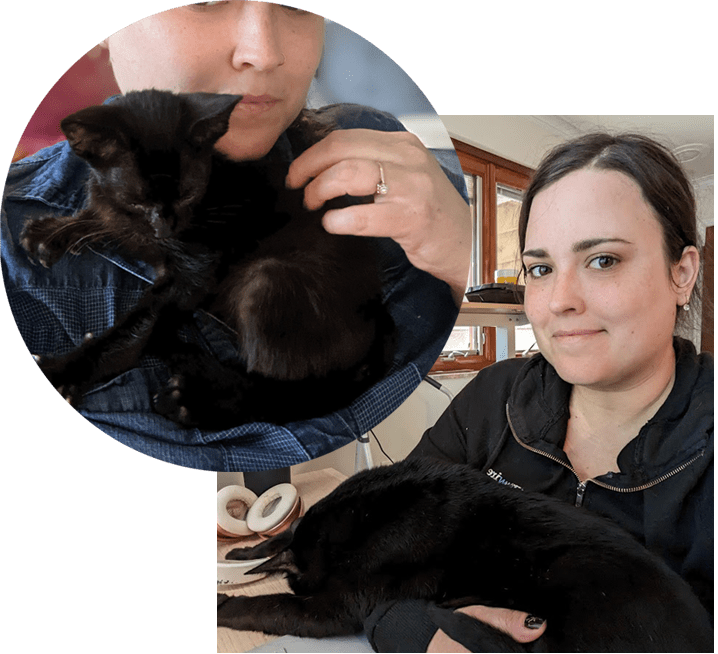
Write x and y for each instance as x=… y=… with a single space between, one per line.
x=235 y=236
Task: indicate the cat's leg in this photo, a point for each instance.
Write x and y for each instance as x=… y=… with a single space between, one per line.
x=99 y=358
x=207 y=393
x=318 y=616
x=269 y=547
x=201 y=392
x=45 y=240
x=102 y=357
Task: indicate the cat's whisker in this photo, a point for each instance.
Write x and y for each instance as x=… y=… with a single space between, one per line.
x=93 y=236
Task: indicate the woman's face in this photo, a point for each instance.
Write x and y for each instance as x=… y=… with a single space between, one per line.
x=599 y=292
x=266 y=52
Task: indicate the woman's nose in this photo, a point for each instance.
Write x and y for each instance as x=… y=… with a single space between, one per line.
x=566 y=293
x=257 y=37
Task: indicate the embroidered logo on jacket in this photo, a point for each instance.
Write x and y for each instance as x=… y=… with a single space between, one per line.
x=496 y=476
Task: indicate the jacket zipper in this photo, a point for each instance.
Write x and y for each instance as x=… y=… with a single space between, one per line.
x=581 y=488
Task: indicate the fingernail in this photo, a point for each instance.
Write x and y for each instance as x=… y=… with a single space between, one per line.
x=337 y=222
x=533 y=622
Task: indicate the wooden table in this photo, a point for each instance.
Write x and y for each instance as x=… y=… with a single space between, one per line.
x=312 y=486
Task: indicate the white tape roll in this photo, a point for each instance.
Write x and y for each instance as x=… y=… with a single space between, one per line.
x=227 y=523
x=273 y=506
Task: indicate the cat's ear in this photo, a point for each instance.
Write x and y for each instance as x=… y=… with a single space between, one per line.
x=94 y=134
x=214 y=111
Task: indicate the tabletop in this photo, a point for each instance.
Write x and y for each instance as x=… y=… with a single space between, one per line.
x=312 y=486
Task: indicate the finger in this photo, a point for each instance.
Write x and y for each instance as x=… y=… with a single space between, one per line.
x=522 y=627
x=358 y=177
x=378 y=219
x=387 y=147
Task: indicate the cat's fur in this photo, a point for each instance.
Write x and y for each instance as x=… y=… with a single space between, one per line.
x=445 y=533
x=227 y=237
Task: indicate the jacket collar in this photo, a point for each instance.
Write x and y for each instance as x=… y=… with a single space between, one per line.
x=682 y=427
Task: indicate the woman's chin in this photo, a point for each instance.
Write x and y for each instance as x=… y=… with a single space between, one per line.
x=246 y=146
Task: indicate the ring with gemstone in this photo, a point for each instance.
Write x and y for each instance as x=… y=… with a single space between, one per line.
x=381 y=187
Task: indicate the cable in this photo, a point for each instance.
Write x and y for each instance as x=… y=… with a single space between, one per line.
x=438 y=386
x=371 y=431
x=363 y=457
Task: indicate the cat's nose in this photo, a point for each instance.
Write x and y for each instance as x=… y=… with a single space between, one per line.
x=159 y=224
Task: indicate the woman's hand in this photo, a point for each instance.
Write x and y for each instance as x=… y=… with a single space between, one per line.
x=513 y=623
x=422 y=211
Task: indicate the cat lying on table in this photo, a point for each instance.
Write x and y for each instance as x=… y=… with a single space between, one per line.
x=422 y=529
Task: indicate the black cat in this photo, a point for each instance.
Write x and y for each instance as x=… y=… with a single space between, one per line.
x=226 y=237
x=444 y=533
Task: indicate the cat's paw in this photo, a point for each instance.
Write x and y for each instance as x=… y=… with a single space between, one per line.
x=39 y=253
x=33 y=240
x=221 y=599
x=170 y=402
x=240 y=554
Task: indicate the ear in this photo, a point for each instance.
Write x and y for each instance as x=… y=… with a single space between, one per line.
x=214 y=111
x=684 y=274
x=94 y=134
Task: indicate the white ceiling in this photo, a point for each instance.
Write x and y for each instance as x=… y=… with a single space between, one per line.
x=526 y=139
x=690 y=137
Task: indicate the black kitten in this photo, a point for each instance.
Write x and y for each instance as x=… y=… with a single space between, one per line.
x=304 y=306
x=446 y=534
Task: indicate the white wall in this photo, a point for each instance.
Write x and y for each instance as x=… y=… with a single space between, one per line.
x=704 y=198
x=520 y=139
x=525 y=140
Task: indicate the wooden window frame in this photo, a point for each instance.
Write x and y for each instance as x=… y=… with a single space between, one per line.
x=707 y=313
x=493 y=170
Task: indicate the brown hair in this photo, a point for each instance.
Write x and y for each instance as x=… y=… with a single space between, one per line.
x=649 y=164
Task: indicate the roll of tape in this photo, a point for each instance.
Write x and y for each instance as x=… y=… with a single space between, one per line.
x=228 y=525
x=272 y=507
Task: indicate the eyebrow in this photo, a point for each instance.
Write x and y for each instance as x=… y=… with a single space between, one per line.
x=580 y=246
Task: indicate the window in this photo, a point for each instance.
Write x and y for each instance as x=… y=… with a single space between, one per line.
x=495 y=187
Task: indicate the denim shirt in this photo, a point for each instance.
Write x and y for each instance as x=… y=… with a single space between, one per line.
x=84 y=293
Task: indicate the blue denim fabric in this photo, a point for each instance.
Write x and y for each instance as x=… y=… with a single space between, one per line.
x=88 y=292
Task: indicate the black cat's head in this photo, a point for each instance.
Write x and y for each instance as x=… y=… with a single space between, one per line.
x=151 y=153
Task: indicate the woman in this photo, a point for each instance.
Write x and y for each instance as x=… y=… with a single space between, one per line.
x=268 y=53
x=616 y=413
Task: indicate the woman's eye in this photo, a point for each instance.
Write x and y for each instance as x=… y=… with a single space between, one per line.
x=603 y=262
x=210 y=4
x=537 y=270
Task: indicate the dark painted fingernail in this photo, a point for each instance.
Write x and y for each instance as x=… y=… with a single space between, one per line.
x=533 y=622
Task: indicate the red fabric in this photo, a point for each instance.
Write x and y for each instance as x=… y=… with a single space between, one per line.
x=88 y=82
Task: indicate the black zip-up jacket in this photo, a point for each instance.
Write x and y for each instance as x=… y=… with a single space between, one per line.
x=510 y=422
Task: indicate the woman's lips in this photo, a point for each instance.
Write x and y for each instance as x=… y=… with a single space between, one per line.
x=575 y=334
x=257 y=103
